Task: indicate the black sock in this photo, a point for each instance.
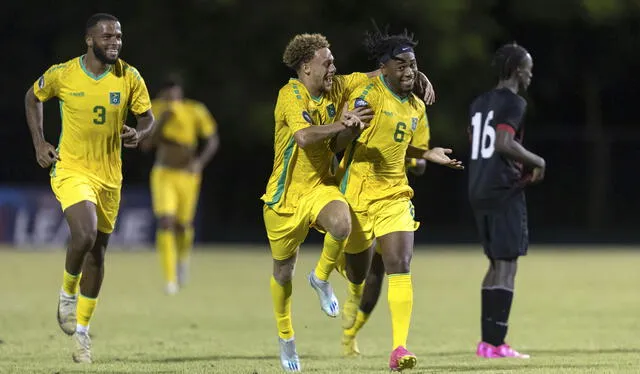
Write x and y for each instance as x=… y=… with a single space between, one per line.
x=486 y=316
x=501 y=300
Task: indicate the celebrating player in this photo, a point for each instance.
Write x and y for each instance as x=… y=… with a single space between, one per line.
x=95 y=91
x=374 y=179
x=496 y=190
x=175 y=177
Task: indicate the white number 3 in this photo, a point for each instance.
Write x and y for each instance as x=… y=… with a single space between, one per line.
x=486 y=132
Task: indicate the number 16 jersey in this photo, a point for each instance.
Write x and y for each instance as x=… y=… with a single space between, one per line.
x=93 y=110
x=494 y=178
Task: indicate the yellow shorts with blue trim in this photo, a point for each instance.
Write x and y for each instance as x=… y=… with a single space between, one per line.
x=73 y=187
x=287 y=231
x=380 y=218
x=175 y=192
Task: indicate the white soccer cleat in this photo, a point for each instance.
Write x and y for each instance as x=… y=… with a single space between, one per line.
x=328 y=300
x=171 y=288
x=82 y=353
x=67 y=312
x=288 y=356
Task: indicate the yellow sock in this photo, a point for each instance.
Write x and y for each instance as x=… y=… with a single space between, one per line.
x=400 y=297
x=281 y=296
x=70 y=283
x=330 y=251
x=184 y=242
x=85 y=308
x=356 y=289
x=166 y=244
x=361 y=319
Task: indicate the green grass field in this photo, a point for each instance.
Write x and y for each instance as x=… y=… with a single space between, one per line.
x=574 y=312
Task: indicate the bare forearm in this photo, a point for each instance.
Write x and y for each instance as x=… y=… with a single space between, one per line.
x=342 y=140
x=209 y=150
x=515 y=151
x=415 y=152
x=144 y=125
x=315 y=134
x=33 y=110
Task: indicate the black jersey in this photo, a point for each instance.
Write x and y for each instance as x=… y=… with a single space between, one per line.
x=492 y=177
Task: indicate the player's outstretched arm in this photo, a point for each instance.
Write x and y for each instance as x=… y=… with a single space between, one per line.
x=509 y=148
x=437 y=155
x=45 y=152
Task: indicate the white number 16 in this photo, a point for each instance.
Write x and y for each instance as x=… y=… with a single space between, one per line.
x=484 y=137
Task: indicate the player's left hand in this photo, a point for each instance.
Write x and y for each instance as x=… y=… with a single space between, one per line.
x=438 y=155
x=129 y=137
x=424 y=89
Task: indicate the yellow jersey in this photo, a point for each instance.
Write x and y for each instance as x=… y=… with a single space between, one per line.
x=373 y=166
x=190 y=121
x=93 y=110
x=295 y=170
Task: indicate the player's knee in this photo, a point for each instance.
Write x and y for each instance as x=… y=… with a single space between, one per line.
x=166 y=223
x=283 y=270
x=341 y=228
x=83 y=240
x=399 y=263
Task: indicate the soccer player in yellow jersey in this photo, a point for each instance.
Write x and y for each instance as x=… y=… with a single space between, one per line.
x=374 y=179
x=95 y=92
x=176 y=175
x=302 y=192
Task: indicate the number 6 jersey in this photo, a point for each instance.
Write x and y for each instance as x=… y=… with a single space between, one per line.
x=492 y=177
x=93 y=110
x=373 y=166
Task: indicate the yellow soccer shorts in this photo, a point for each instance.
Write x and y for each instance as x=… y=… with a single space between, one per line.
x=380 y=218
x=73 y=187
x=175 y=192
x=287 y=231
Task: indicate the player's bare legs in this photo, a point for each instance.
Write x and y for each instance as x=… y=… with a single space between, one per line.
x=281 y=290
x=83 y=226
x=166 y=247
x=335 y=219
x=397 y=251
x=497 y=297
x=184 y=244
x=359 y=316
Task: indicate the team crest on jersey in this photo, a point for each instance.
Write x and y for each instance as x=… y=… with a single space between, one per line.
x=360 y=102
x=41 y=82
x=307 y=117
x=414 y=123
x=114 y=98
x=331 y=110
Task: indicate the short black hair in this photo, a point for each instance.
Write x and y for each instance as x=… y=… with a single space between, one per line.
x=379 y=43
x=507 y=59
x=94 y=19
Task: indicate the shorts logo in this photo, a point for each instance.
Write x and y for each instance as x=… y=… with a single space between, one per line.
x=360 y=102
x=114 y=98
x=331 y=110
x=307 y=117
x=414 y=123
x=41 y=82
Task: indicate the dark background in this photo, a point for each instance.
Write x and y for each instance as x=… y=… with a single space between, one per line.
x=582 y=113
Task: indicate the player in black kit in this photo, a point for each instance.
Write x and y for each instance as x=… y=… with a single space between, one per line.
x=499 y=169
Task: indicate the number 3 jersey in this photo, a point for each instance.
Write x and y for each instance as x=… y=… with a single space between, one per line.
x=373 y=166
x=93 y=110
x=494 y=178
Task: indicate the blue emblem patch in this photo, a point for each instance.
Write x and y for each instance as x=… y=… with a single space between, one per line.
x=360 y=102
x=331 y=110
x=414 y=123
x=114 y=98
x=307 y=117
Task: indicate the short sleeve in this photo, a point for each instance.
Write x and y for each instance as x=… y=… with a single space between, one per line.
x=139 y=97
x=364 y=95
x=421 y=134
x=48 y=85
x=207 y=125
x=294 y=109
x=511 y=113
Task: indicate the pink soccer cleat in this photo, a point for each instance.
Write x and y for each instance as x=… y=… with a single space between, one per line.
x=506 y=351
x=487 y=350
x=402 y=359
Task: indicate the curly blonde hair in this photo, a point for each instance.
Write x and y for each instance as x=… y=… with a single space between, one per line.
x=302 y=48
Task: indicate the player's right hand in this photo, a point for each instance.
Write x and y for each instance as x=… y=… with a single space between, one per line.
x=46 y=154
x=358 y=118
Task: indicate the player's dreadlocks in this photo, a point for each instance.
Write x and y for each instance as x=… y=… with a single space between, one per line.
x=382 y=46
x=507 y=59
x=302 y=48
